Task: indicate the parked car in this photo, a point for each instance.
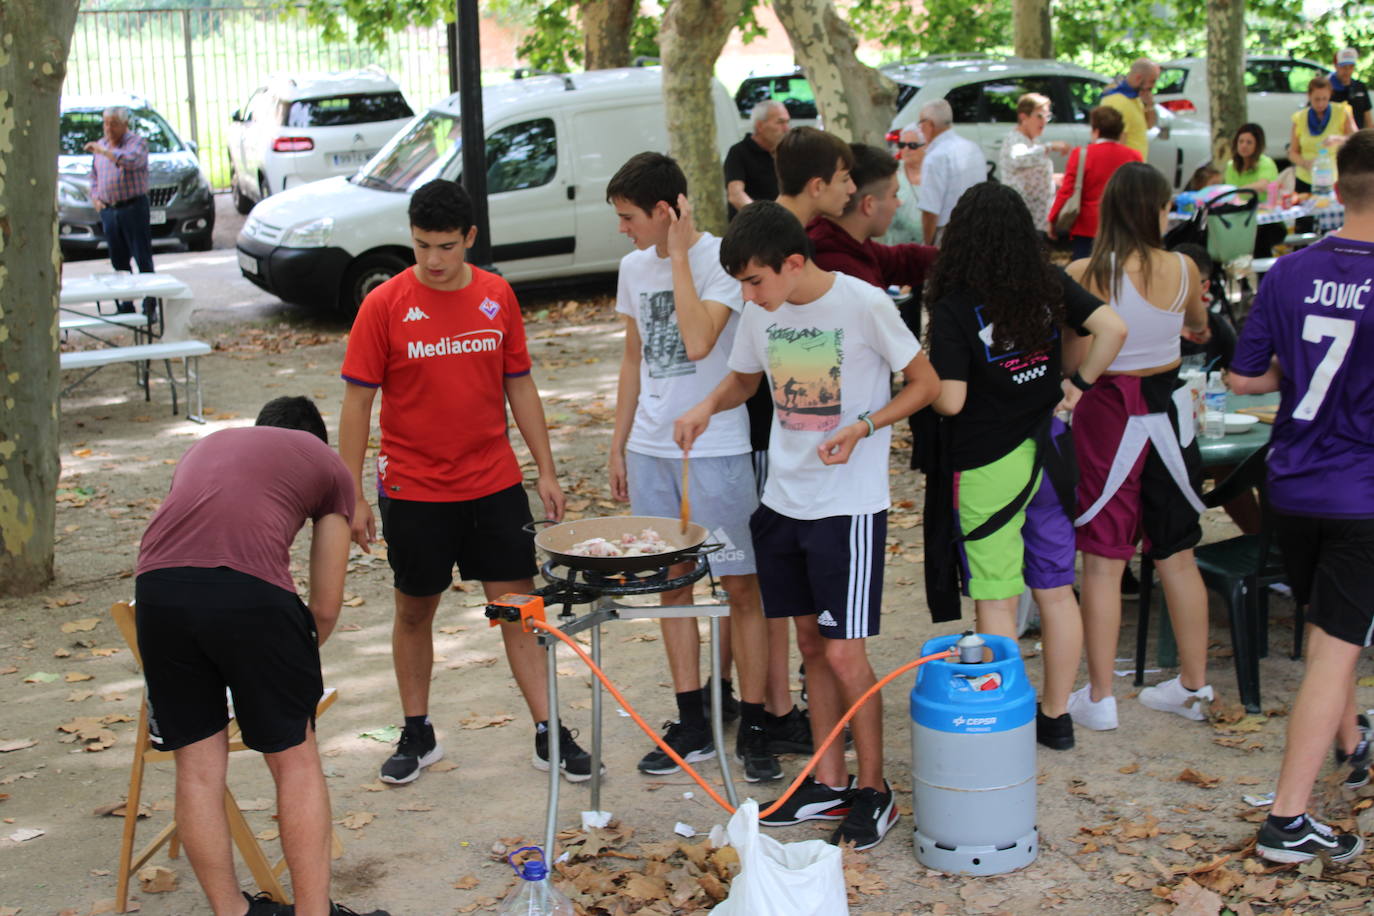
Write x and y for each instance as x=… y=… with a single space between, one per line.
x=552 y=144
x=982 y=91
x=182 y=209
x=1275 y=87
x=791 y=89
x=297 y=129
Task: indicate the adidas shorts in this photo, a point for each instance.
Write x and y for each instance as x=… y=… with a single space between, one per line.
x=722 y=496
x=831 y=567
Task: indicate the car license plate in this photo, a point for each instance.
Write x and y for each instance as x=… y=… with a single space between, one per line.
x=248 y=263
x=353 y=158
x=157 y=217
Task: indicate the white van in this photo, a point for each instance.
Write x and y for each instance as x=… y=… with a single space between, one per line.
x=553 y=143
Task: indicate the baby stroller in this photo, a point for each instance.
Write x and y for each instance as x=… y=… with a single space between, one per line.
x=1226 y=226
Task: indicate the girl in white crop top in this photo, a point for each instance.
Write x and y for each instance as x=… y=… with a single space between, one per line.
x=1157 y=294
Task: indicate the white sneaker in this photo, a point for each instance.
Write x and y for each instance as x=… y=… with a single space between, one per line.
x=1099 y=716
x=1172 y=696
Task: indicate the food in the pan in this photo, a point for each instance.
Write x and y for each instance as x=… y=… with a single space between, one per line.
x=645 y=543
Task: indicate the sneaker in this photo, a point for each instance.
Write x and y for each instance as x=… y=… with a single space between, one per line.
x=871 y=815
x=789 y=733
x=1054 y=733
x=1172 y=696
x=1310 y=840
x=416 y=750
x=338 y=909
x=691 y=744
x=576 y=764
x=729 y=703
x=751 y=749
x=1358 y=759
x=1099 y=716
x=812 y=801
x=262 y=904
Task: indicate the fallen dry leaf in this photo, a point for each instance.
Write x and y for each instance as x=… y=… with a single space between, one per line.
x=473 y=722
x=443 y=766
x=357 y=820
x=271 y=833
x=1190 y=775
x=465 y=883
x=71 y=599
x=414 y=806
x=1192 y=899
x=157 y=879
x=74 y=677
x=1129 y=768
x=18 y=744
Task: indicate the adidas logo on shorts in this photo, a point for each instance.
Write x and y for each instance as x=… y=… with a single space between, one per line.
x=415 y=314
x=729 y=552
x=827 y=619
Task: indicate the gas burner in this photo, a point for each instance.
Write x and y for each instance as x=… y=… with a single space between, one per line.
x=570 y=585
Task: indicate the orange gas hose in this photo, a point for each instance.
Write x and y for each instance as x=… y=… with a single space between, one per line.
x=806 y=771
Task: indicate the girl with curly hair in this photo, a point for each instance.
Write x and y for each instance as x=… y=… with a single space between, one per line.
x=997 y=308
x=1139 y=466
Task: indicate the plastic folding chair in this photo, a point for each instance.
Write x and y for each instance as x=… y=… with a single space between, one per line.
x=265 y=873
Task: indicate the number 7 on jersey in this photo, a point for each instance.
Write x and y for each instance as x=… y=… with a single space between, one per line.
x=1315 y=329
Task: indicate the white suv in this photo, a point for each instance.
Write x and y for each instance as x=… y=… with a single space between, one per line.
x=303 y=128
x=982 y=91
x=1275 y=87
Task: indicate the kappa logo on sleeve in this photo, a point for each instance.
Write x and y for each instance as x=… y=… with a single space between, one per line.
x=415 y=314
x=490 y=307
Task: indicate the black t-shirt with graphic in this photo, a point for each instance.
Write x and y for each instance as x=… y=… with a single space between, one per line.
x=1009 y=394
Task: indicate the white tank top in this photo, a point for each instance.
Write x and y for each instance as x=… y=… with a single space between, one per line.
x=1152 y=333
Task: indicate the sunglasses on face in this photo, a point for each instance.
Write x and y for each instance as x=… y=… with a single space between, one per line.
x=909 y=144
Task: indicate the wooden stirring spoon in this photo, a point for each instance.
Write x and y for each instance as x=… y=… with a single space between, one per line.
x=685 y=511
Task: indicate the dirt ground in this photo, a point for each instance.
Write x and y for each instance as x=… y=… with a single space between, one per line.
x=1149 y=818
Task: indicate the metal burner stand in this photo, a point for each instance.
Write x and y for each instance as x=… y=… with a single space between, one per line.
x=600 y=591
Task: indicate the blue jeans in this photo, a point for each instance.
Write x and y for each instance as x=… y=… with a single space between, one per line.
x=130 y=236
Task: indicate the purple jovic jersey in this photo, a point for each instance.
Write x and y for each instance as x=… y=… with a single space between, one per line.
x=1311 y=313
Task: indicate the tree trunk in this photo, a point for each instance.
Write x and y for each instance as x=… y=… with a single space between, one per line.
x=691 y=38
x=35 y=37
x=855 y=101
x=607 y=26
x=1030 y=26
x=1225 y=74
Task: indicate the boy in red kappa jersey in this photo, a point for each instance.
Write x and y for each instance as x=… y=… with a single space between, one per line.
x=445 y=343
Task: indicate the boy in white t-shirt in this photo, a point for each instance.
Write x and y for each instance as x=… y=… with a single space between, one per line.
x=681 y=310
x=829 y=344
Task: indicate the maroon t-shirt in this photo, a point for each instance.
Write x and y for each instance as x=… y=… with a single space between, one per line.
x=238 y=498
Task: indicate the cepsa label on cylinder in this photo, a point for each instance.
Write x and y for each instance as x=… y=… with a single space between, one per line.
x=970 y=724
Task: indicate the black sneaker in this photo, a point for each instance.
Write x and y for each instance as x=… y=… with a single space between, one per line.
x=262 y=904
x=576 y=764
x=1054 y=733
x=1310 y=840
x=729 y=703
x=338 y=909
x=790 y=733
x=416 y=750
x=691 y=744
x=751 y=749
x=813 y=801
x=871 y=815
x=1358 y=759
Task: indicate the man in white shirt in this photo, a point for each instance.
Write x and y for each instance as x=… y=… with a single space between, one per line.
x=952 y=166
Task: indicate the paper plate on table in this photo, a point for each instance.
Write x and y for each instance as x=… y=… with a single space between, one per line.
x=1240 y=422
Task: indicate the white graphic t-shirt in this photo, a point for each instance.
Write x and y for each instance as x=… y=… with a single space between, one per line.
x=669 y=383
x=827 y=362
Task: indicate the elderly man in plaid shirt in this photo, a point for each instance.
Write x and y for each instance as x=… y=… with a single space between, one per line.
x=119 y=187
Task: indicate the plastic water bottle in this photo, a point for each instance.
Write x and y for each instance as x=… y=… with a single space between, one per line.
x=1214 y=417
x=535 y=894
x=1323 y=172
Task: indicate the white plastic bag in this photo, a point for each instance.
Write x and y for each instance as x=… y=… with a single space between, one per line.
x=782 y=879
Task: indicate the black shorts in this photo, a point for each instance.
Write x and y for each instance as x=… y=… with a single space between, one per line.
x=1330 y=564
x=486 y=537
x=831 y=567
x=203 y=630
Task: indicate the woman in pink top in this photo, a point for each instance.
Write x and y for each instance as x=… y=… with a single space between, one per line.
x=1139 y=466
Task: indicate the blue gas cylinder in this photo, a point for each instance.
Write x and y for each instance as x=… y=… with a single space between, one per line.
x=973 y=758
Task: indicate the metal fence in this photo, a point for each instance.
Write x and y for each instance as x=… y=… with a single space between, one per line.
x=197 y=66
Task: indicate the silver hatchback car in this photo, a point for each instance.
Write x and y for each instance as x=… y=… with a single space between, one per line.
x=182 y=207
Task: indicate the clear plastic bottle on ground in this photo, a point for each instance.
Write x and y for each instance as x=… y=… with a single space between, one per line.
x=1214 y=417
x=534 y=894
